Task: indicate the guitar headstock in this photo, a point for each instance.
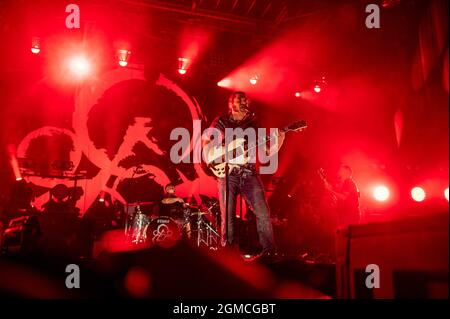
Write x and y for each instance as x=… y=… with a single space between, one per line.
x=295 y=126
x=321 y=172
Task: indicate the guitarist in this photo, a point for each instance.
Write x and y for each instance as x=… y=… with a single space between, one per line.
x=346 y=195
x=244 y=179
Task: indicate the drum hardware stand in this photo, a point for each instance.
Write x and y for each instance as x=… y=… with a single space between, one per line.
x=211 y=235
x=140 y=233
x=227 y=193
x=127 y=226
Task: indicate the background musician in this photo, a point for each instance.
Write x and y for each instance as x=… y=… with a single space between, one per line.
x=346 y=196
x=175 y=207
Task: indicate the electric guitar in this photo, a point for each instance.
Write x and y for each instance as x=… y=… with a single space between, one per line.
x=328 y=187
x=236 y=153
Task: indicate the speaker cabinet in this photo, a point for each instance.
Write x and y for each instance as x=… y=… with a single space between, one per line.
x=21 y=235
x=411 y=257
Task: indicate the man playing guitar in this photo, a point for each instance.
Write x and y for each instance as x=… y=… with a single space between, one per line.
x=345 y=196
x=244 y=179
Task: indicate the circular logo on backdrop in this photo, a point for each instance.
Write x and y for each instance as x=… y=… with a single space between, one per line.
x=121 y=139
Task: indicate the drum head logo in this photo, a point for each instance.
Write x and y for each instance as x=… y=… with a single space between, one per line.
x=162 y=233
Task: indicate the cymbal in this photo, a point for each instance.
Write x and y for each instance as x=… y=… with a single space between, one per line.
x=141 y=203
x=199 y=213
x=171 y=200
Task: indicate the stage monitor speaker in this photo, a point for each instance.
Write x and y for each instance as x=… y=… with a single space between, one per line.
x=398 y=259
x=21 y=235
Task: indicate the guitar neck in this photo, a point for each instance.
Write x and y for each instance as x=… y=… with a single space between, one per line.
x=260 y=142
x=296 y=126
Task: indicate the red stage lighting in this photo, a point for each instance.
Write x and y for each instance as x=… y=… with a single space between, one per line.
x=101 y=197
x=381 y=193
x=12 y=154
x=79 y=65
x=253 y=80
x=182 y=65
x=123 y=56
x=298 y=94
x=224 y=83
x=35 y=45
x=446 y=193
x=138 y=282
x=418 y=194
x=317 y=88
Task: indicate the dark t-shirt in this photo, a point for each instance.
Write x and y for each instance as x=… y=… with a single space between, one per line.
x=174 y=210
x=348 y=209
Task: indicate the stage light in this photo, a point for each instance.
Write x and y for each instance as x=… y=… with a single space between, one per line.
x=381 y=193
x=319 y=85
x=253 y=80
x=122 y=56
x=35 y=45
x=446 y=193
x=79 y=65
x=224 y=83
x=101 y=197
x=182 y=65
x=418 y=194
x=12 y=154
x=298 y=94
x=389 y=3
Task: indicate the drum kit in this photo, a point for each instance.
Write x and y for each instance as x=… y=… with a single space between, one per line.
x=199 y=225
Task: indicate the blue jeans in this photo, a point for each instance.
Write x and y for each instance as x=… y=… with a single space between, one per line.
x=249 y=185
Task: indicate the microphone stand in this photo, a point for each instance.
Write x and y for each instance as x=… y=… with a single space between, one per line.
x=227 y=193
x=135 y=170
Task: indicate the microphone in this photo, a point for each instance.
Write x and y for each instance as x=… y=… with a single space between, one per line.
x=250 y=112
x=244 y=106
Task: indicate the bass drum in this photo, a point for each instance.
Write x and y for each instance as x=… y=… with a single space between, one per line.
x=163 y=231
